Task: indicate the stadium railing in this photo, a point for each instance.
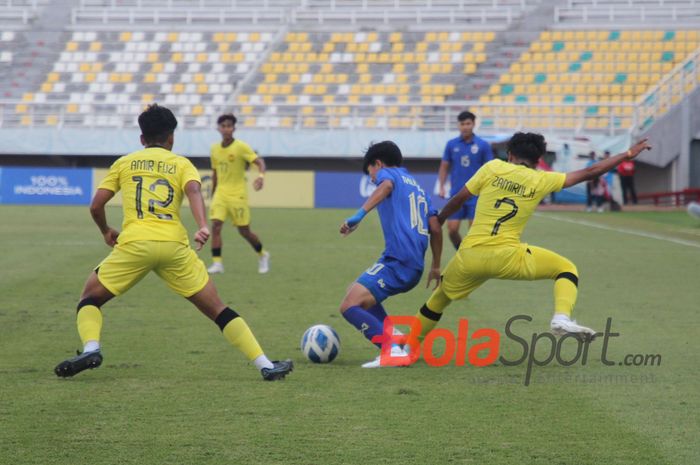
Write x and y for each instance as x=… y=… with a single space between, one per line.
x=14 y=18
x=486 y=16
x=677 y=198
x=415 y=117
x=133 y=16
x=118 y=17
x=620 y=15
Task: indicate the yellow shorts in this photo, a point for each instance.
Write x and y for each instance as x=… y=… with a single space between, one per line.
x=472 y=267
x=176 y=264
x=223 y=207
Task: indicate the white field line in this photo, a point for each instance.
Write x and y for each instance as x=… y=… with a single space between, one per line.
x=633 y=232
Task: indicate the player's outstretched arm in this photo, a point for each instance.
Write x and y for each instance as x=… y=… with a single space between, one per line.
x=99 y=216
x=454 y=204
x=435 y=249
x=380 y=193
x=260 y=180
x=193 y=190
x=604 y=166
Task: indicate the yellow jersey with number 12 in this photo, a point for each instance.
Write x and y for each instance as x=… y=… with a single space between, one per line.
x=508 y=195
x=230 y=163
x=152 y=182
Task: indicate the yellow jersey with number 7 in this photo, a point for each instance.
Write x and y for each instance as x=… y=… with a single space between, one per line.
x=508 y=195
x=152 y=182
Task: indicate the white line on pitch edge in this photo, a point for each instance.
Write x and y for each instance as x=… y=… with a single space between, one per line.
x=621 y=230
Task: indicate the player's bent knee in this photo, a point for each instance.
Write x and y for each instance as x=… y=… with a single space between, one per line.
x=573 y=277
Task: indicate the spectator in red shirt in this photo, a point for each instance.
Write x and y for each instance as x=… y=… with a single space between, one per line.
x=626 y=172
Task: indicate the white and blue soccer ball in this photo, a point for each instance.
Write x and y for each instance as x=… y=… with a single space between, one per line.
x=694 y=209
x=320 y=344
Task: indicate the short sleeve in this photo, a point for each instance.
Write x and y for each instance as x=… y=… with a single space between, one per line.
x=384 y=175
x=446 y=153
x=477 y=181
x=553 y=181
x=111 y=181
x=189 y=173
x=248 y=153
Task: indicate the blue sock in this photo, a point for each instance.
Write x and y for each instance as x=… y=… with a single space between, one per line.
x=365 y=322
x=378 y=312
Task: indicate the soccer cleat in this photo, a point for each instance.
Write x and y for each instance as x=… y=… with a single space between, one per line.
x=216 y=267
x=73 y=366
x=561 y=326
x=264 y=263
x=396 y=351
x=279 y=370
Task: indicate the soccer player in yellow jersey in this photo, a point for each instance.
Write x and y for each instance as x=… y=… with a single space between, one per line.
x=508 y=194
x=153 y=182
x=229 y=160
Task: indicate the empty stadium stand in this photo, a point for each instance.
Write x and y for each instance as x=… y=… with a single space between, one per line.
x=317 y=64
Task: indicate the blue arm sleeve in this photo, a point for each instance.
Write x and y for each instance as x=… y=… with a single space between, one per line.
x=355 y=219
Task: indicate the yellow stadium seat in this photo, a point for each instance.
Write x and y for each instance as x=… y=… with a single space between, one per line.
x=20 y=108
x=125 y=36
x=26 y=120
x=202 y=88
x=146 y=98
x=173 y=37
x=178 y=88
x=90 y=77
x=95 y=46
x=71 y=46
x=197 y=110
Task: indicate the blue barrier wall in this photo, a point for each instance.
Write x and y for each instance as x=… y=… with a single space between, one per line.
x=350 y=190
x=46 y=186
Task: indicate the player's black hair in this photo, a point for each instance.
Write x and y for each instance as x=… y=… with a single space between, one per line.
x=465 y=115
x=527 y=146
x=227 y=117
x=387 y=151
x=157 y=124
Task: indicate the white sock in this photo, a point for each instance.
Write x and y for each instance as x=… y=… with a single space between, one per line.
x=561 y=316
x=263 y=362
x=91 y=346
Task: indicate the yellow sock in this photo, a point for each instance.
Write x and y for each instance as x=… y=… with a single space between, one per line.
x=431 y=312
x=565 y=293
x=237 y=332
x=216 y=259
x=89 y=323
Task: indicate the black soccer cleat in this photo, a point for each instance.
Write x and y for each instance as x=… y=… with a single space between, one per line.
x=73 y=366
x=279 y=370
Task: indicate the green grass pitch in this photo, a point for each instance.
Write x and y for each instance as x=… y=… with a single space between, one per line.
x=172 y=391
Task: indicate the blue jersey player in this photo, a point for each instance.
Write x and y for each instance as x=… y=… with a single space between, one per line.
x=408 y=224
x=463 y=156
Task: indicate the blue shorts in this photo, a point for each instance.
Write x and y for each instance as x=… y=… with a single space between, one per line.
x=389 y=277
x=466 y=212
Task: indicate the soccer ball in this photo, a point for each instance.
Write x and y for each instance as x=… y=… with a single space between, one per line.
x=320 y=344
x=694 y=209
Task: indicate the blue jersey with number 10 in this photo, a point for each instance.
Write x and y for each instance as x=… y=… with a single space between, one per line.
x=404 y=217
